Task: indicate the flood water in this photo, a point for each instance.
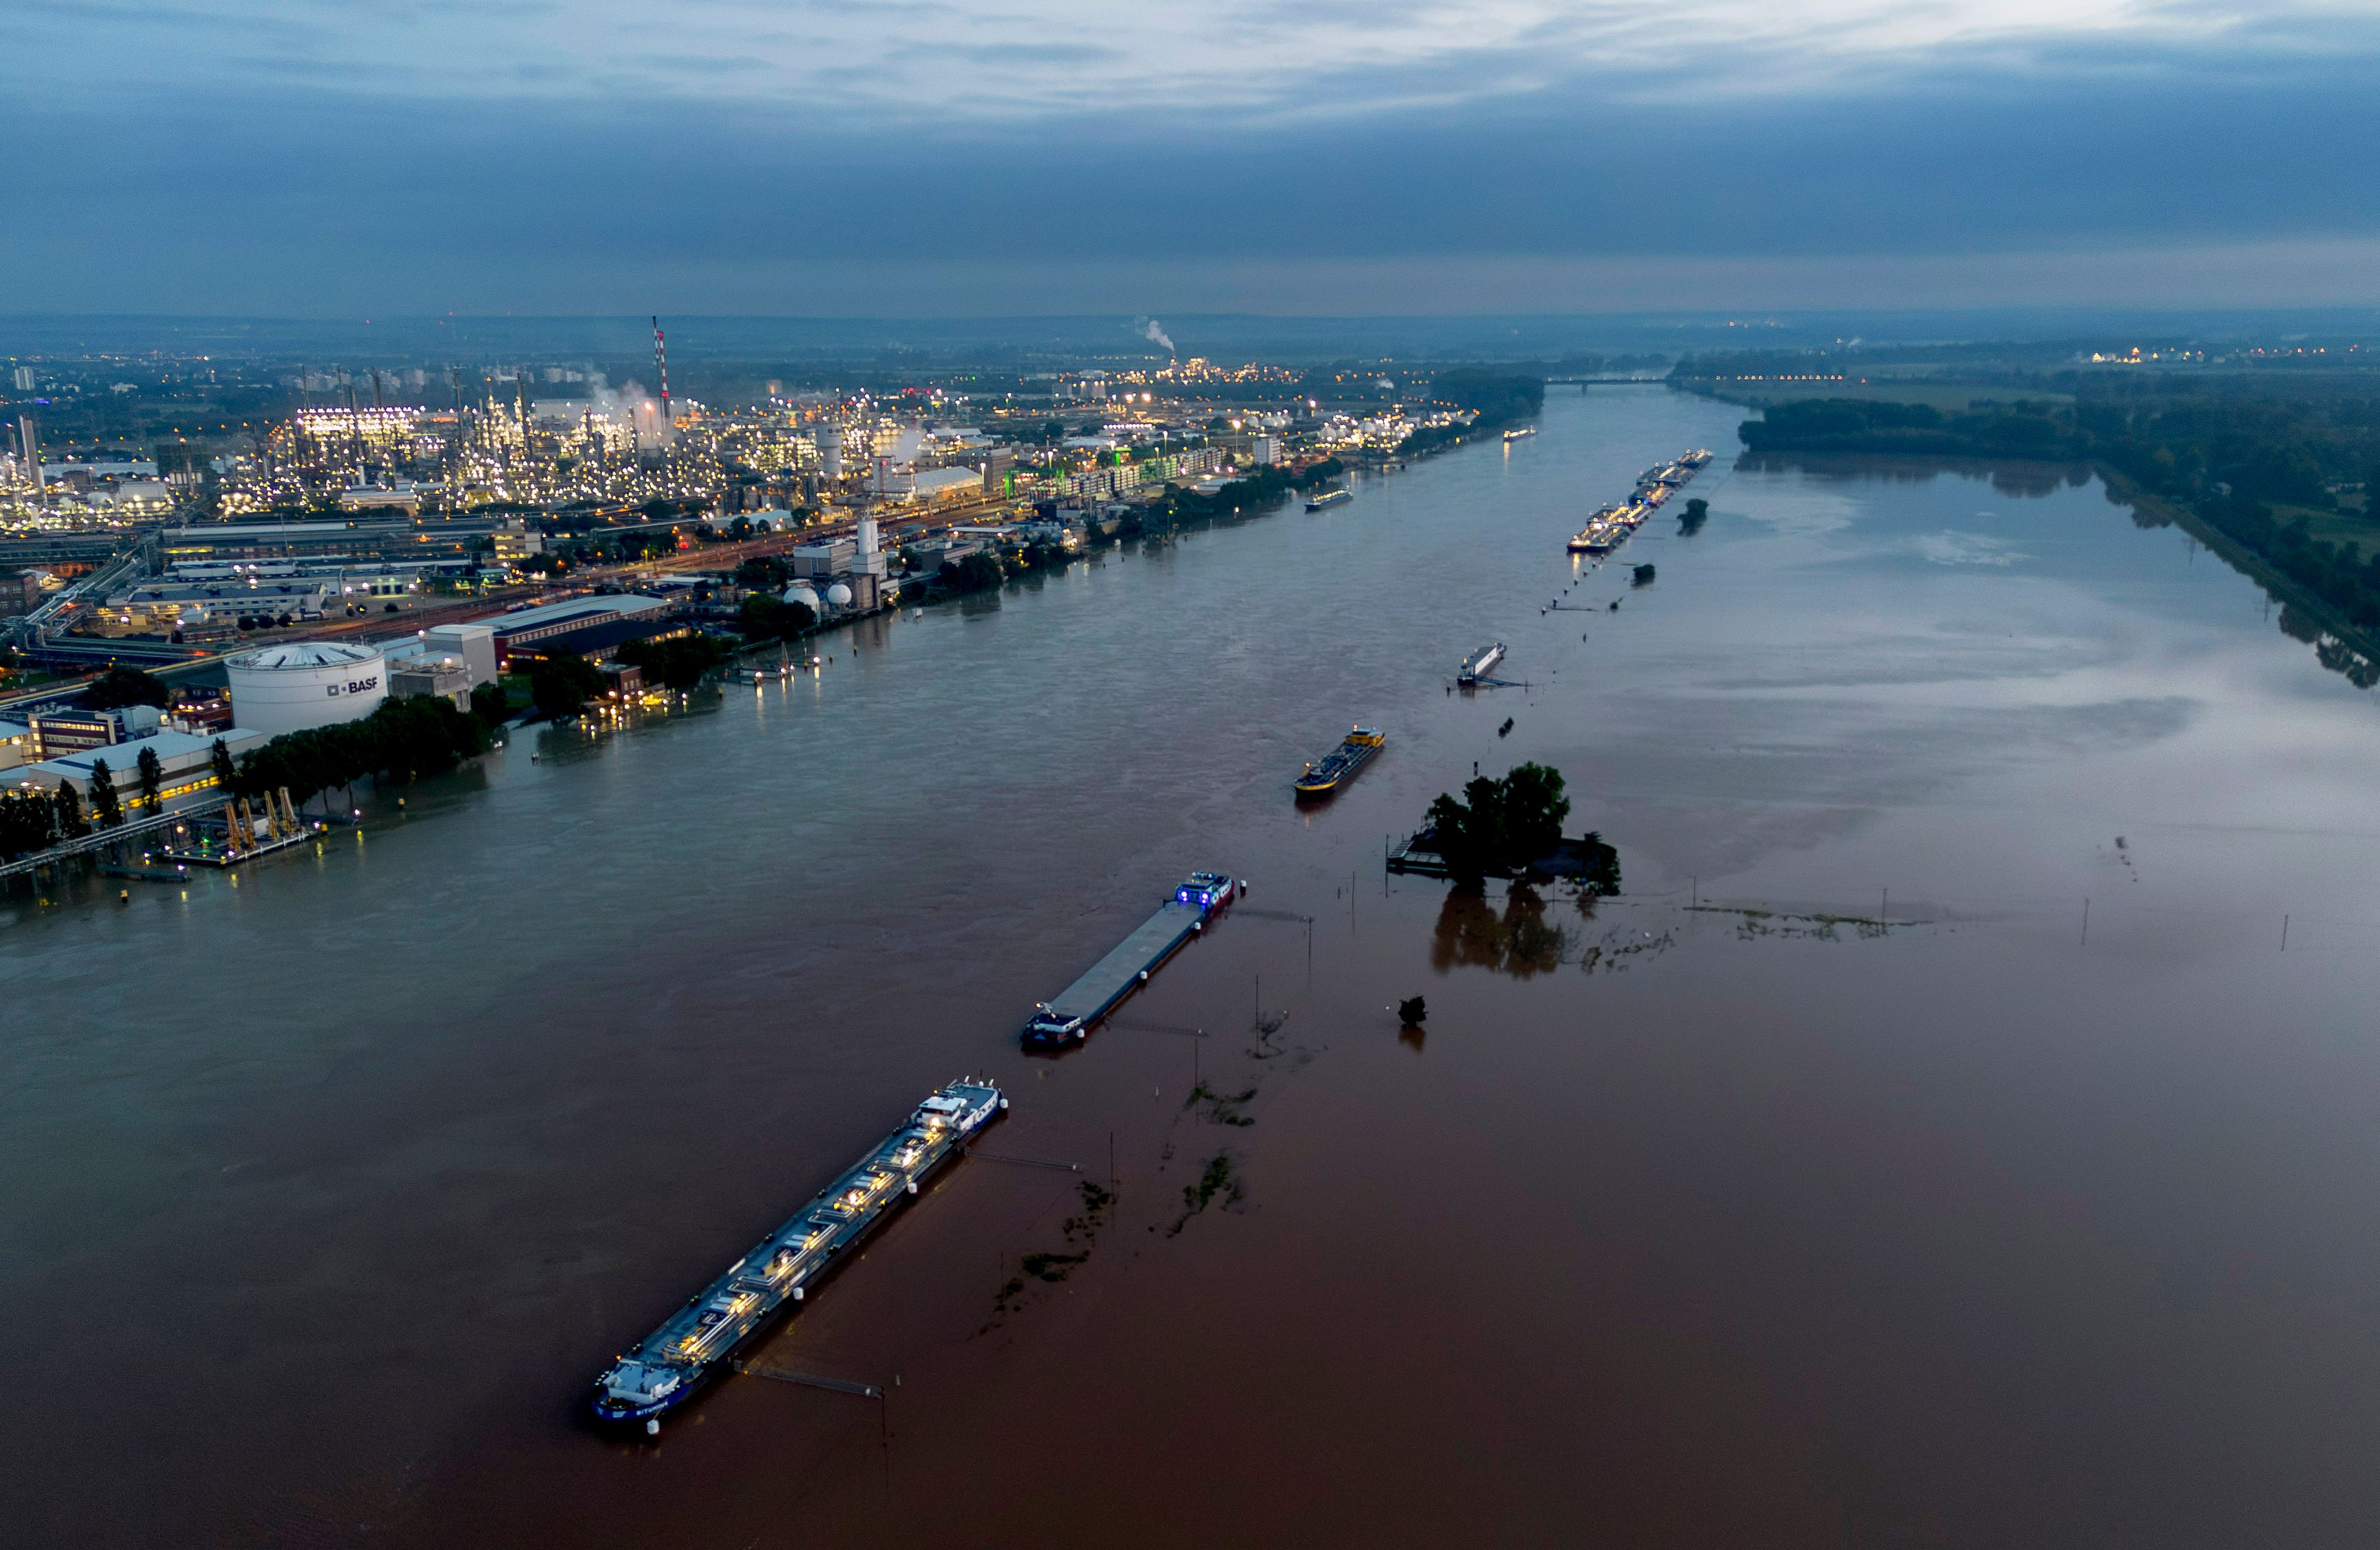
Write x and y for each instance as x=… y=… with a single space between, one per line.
x=1936 y=1142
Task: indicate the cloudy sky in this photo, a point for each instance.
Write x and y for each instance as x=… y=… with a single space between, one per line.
x=328 y=158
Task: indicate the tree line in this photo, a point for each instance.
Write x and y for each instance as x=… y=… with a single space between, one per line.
x=1496 y=399
x=404 y=740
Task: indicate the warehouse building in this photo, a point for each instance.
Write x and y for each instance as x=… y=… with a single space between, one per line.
x=186 y=762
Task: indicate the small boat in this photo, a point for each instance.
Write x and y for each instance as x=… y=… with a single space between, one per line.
x=1516 y=435
x=1338 y=767
x=1330 y=498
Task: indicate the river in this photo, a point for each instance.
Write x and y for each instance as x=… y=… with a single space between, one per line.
x=1938 y=1141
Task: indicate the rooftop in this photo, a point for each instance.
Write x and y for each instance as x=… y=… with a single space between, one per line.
x=553 y=613
x=301 y=655
x=602 y=638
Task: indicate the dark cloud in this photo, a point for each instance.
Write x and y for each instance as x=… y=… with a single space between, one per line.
x=357 y=183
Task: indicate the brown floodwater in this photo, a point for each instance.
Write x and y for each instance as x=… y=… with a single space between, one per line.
x=1959 y=1131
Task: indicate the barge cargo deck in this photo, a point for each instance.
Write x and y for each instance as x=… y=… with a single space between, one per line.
x=693 y=1345
x=1068 y=1017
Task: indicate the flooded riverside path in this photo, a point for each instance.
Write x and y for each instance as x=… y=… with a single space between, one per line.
x=1834 y=1184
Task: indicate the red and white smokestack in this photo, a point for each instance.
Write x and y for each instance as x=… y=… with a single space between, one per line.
x=660 y=369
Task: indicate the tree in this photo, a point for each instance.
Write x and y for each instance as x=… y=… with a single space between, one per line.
x=70 y=824
x=104 y=805
x=1499 y=825
x=153 y=775
x=764 y=573
x=768 y=618
x=679 y=663
x=978 y=572
x=120 y=686
x=489 y=703
x=28 y=822
x=563 y=686
x=219 y=760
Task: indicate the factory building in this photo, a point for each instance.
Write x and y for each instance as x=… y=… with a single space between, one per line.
x=313 y=684
x=531 y=624
x=186 y=764
x=597 y=641
x=471 y=646
x=69 y=732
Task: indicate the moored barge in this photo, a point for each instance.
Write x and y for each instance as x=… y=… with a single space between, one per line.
x=1066 y=1018
x=693 y=1345
x=1479 y=664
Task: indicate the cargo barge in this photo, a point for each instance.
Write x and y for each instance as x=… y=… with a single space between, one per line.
x=1611 y=524
x=1068 y=1017
x=1330 y=498
x=701 y=1340
x=1338 y=767
x=1479 y=664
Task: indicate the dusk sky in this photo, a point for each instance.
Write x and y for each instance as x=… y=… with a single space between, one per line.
x=296 y=157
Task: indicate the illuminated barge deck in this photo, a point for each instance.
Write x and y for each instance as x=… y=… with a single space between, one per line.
x=672 y=1363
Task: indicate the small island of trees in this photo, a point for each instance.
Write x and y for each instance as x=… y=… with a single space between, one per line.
x=1510 y=826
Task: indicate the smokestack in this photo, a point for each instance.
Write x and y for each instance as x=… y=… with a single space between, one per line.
x=32 y=445
x=660 y=369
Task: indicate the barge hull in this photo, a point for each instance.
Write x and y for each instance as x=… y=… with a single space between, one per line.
x=1068 y=1016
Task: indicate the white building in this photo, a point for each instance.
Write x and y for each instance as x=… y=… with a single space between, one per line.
x=186 y=762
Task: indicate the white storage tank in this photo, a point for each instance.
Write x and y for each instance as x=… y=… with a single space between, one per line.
x=312 y=684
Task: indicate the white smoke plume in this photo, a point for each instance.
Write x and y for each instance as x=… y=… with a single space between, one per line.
x=630 y=405
x=1150 y=330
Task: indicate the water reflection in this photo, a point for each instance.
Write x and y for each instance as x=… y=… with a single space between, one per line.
x=1520 y=941
x=2024 y=480
x=2036 y=481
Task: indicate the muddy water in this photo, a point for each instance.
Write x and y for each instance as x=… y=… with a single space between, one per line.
x=1933 y=1142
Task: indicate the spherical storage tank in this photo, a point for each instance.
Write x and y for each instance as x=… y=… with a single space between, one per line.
x=800 y=592
x=289 y=688
x=839 y=595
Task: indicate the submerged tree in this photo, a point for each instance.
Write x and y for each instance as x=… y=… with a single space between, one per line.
x=1500 y=825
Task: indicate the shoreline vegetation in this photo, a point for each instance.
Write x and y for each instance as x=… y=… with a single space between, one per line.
x=1495 y=399
x=2259 y=482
